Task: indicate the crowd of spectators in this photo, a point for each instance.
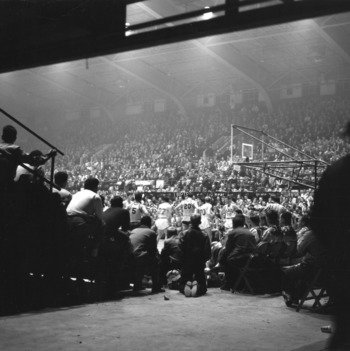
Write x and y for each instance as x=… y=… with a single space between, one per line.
x=179 y=149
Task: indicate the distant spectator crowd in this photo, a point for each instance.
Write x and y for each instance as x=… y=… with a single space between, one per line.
x=180 y=152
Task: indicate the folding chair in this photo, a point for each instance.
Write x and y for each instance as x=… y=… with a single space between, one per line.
x=260 y=250
x=314 y=291
x=275 y=251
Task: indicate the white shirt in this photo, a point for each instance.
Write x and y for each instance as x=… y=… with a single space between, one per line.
x=165 y=211
x=137 y=210
x=188 y=208
x=205 y=212
x=228 y=211
x=85 y=202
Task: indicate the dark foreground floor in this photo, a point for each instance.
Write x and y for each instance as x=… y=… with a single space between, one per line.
x=217 y=321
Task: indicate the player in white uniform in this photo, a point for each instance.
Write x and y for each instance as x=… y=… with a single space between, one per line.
x=228 y=212
x=136 y=210
x=188 y=207
x=164 y=216
x=127 y=202
x=206 y=212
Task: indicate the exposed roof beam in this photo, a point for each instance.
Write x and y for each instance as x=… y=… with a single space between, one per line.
x=212 y=42
x=333 y=44
x=149 y=76
x=70 y=90
x=239 y=65
x=281 y=77
x=163 y=8
x=338 y=24
x=193 y=87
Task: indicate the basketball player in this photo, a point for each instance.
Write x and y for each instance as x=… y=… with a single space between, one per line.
x=228 y=212
x=188 y=207
x=164 y=217
x=205 y=210
x=137 y=210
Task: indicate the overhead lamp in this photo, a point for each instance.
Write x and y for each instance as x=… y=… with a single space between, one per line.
x=207 y=15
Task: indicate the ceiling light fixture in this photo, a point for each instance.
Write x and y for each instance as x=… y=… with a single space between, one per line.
x=207 y=15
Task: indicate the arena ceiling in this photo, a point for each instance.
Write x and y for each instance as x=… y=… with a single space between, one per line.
x=305 y=50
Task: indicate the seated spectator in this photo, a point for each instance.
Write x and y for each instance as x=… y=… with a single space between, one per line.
x=263 y=222
x=170 y=255
x=239 y=245
x=273 y=233
x=116 y=248
x=275 y=205
x=85 y=218
x=23 y=173
x=195 y=251
x=255 y=226
x=116 y=216
x=289 y=235
x=11 y=155
x=311 y=255
x=213 y=264
x=303 y=226
x=61 y=180
x=146 y=256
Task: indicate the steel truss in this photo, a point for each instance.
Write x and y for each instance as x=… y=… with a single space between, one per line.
x=304 y=172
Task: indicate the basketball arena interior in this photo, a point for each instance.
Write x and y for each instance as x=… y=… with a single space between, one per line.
x=173 y=175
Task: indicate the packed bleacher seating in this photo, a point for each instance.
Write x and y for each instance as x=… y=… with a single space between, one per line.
x=159 y=147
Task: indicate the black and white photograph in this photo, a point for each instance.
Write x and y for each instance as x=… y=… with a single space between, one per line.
x=175 y=175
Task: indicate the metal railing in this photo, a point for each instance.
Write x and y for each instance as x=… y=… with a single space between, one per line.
x=53 y=156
